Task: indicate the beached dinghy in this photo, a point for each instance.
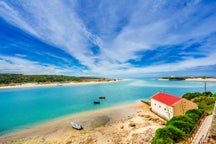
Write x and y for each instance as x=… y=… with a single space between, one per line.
x=76 y=126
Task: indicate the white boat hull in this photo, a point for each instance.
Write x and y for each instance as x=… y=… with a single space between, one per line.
x=76 y=126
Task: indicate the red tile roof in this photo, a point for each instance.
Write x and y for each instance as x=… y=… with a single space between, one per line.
x=166 y=98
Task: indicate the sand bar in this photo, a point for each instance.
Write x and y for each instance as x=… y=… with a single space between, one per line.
x=133 y=123
x=27 y=85
x=201 y=79
x=196 y=79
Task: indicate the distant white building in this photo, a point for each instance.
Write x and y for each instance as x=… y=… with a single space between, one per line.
x=167 y=105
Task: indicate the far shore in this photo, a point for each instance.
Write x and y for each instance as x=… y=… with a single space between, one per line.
x=200 y=79
x=131 y=123
x=26 y=85
x=196 y=79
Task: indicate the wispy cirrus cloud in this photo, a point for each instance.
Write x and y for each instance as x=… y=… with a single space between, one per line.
x=133 y=37
x=20 y=65
x=13 y=16
x=188 y=64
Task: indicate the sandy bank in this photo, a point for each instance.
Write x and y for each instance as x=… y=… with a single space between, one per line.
x=197 y=79
x=200 y=79
x=26 y=85
x=124 y=124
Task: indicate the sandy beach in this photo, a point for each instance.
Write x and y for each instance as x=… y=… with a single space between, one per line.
x=201 y=79
x=26 y=85
x=196 y=79
x=133 y=123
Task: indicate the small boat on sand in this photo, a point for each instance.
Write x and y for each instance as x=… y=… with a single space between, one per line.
x=96 y=102
x=102 y=97
x=76 y=126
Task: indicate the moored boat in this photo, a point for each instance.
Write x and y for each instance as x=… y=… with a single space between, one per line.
x=76 y=126
x=102 y=97
x=96 y=102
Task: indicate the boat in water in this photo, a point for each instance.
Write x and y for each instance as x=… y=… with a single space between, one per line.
x=96 y=102
x=76 y=126
x=102 y=97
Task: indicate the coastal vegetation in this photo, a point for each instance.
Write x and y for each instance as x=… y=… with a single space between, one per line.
x=188 y=77
x=174 y=78
x=12 y=79
x=179 y=127
x=205 y=100
x=190 y=96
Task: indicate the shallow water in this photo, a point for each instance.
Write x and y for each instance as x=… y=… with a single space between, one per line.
x=22 y=107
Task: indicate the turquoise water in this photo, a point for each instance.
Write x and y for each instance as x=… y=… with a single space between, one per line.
x=23 y=107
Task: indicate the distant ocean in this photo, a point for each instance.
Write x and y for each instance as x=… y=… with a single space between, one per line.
x=20 y=108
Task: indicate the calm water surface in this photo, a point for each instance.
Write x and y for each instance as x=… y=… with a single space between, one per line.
x=22 y=107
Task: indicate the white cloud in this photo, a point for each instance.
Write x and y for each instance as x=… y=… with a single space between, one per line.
x=13 y=16
x=149 y=32
x=130 y=70
x=150 y=24
x=19 y=65
x=53 y=22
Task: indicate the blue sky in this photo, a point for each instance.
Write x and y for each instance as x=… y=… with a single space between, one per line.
x=123 y=38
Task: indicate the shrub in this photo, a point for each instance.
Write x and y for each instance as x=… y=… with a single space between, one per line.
x=177 y=128
x=168 y=140
x=205 y=101
x=181 y=118
x=168 y=134
x=176 y=134
x=194 y=117
x=190 y=96
x=207 y=93
x=195 y=111
x=182 y=125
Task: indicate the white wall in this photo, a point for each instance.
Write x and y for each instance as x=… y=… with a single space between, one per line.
x=162 y=109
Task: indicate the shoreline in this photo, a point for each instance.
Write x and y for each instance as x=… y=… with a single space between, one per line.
x=104 y=125
x=68 y=116
x=202 y=80
x=29 y=85
x=195 y=79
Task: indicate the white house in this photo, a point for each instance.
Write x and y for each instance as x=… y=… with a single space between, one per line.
x=167 y=105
